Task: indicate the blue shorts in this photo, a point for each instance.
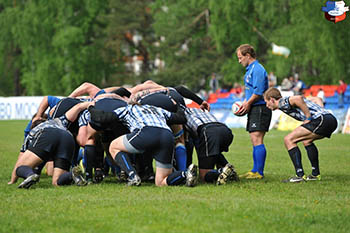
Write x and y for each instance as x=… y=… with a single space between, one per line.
x=151 y=140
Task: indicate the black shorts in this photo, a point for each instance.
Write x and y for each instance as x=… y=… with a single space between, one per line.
x=323 y=125
x=208 y=162
x=152 y=140
x=214 y=138
x=259 y=118
x=118 y=130
x=160 y=100
x=56 y=145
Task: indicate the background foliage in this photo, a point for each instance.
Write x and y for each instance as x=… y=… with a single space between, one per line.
x=50 y=47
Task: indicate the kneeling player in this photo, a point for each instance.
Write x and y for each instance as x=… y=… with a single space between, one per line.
x=211 y=138
x=50 y=140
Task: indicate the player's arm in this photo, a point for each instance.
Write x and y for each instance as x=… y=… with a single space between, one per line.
x=110 y=89
x=145 y=86
x=247 y=105
x=185 y=92
x=298 y=101
x=177 y=117
x=72 y=114
x=136 y=96
x=109 y=95
x=44 y=104
x=85 y=88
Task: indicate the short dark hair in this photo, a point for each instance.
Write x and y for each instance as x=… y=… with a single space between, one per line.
x=246 y=49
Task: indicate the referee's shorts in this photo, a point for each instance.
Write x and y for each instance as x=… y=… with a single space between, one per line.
x=259 y=118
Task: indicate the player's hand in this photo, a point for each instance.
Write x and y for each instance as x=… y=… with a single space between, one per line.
x=244 y=109
x=205 y=106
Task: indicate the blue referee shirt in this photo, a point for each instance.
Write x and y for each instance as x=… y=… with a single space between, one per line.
x=255 y=81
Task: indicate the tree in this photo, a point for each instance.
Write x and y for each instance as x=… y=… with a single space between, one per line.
x=129 y=36
x=317 y=54
x=59 y=44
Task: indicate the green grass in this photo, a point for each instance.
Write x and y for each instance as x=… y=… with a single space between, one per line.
x=248 y=206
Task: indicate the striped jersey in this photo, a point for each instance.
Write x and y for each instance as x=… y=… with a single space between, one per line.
x=139 y=116
x=196 y=117
x=295 y=112
x=84 y=118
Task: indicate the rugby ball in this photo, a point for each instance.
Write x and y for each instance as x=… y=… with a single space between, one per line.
x=235 y=107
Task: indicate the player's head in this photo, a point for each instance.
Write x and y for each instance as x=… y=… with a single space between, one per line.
x=271 y=97
x=245 y=54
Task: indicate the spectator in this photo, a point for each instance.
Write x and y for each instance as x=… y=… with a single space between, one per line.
x=299 y=85
x=341 y=90
x=213 y=83
x=287 y=84
x=272 y=79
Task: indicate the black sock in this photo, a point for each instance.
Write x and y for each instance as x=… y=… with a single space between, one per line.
x=90 y=153
x=65 y=179
x=211 y=176
x=124 y=162
x=39 y=168
x=295 y=156
x=221 y=161
x=312 y=153
x=24 y=171
x=176 y=178
x=99 y=157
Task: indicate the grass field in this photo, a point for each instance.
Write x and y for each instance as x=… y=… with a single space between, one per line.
x=248 y=206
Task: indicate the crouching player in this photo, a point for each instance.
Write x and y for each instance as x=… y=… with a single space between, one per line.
x=149 y=135
x=317 y=124
x=211 y=138
x=50 y=140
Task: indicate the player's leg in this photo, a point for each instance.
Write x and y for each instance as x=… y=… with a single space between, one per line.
x=25 y=166
x=312 y=153
x=14 y=177
x=165 y=176
x=180 y=149
x=258 y=124
x=290 y=141
x=119 y=150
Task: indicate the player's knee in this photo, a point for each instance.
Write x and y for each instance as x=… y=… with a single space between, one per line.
x=287 y=140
